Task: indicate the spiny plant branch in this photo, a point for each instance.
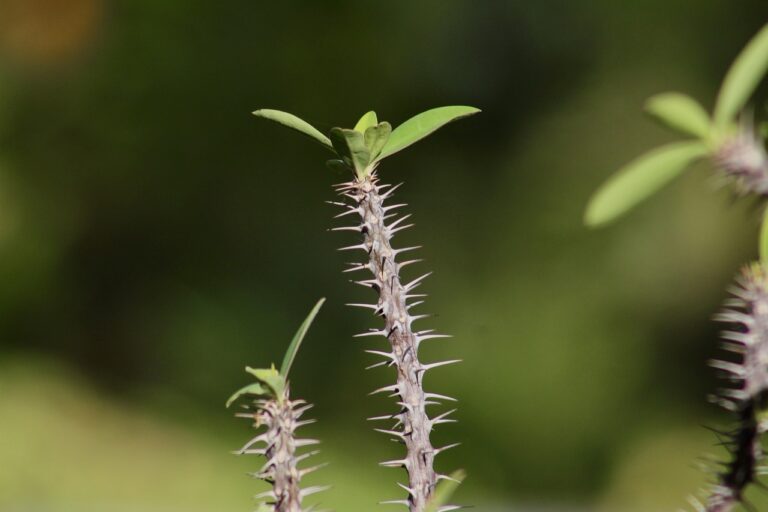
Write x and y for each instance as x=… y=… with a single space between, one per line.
x=272 y=409
x=281 y=418
x=395 y=300
x=359 y=151
x=734 y=148
x=745 y=396
x=739 y=155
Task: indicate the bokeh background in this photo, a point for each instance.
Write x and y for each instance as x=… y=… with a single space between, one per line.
x=155 y=238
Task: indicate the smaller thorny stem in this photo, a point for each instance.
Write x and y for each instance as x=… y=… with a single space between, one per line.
x=279 y=445
x=746 y=397
x=412 y=425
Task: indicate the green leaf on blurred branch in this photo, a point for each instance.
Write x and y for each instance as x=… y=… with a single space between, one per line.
x=742 y=79
x=680 y=112
x=639 y=179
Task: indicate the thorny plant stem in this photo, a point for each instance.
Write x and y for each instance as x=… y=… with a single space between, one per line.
x=279 y=445
x=747 y=312
x=412 y=424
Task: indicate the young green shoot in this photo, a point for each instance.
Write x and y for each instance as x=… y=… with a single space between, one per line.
x=270 y=406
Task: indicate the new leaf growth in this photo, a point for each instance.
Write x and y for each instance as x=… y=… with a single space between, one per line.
x=271 y=408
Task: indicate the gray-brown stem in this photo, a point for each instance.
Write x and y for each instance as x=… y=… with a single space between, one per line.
x=279 y=445
x=747 y=313
x=412 y=424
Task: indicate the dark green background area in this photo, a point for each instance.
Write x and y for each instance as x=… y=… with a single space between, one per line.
x=155 y=238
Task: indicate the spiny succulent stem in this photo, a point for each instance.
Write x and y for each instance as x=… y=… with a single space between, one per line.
x=749 y=339
x=413 y=424
x=280 y=416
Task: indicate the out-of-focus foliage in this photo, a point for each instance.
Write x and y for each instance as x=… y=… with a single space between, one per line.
x=680 y=112
x=155 y=238
x=744 y=76
x=641 y=178
x=647 y=174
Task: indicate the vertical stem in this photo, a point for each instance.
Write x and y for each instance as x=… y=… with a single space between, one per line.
x=413 y=425
x=281 y=452
x=279 y=444
x=748 y=337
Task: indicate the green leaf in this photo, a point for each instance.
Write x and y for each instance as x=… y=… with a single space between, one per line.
x=350 y=144
x=369 y=119
x=269 y=376
x=251 y=389
x=444 y=491
x=742 y=78
x=639 y=179
x=421 y=125
x=290 y=354
x=291 y=121
x=679 y=112
x=764 y=240
x=376 y=137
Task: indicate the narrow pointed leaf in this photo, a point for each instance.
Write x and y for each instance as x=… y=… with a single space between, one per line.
x=679 y=112
x=639 y=179
x=742 y=78
x=376 y=137
x=350 y=144
x=294 y=122
x=251 y=389
x=444 y=491
x=764 y=240
x=421 y=125
x=369 y=119
x=293 y=348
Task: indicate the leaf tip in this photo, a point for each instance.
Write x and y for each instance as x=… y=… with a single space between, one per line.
x=593 y=218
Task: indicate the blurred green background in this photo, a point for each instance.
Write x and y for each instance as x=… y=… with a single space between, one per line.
x=155 y=238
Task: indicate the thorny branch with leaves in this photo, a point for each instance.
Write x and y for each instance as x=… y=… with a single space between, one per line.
x=270 y=407
x=359 y=151
x=737 y=151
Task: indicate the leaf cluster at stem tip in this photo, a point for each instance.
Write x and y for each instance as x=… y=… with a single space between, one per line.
x=650 y=172
x=361 y=148
x=271 y=382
